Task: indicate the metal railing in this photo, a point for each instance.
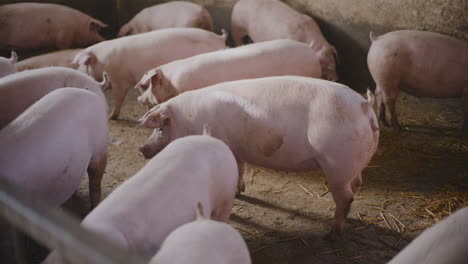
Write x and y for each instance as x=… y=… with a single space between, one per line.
x=58 y=230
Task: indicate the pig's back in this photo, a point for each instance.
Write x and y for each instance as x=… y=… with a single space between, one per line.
x=168 y=44
x=63 y=58
x=272 y=58
x=285 y=90
x=426 y=63
x=168 y=15
x=444 y=243
x=20 y=90
x=276 y=20
x=225 y=243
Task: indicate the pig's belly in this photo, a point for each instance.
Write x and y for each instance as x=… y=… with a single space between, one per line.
x=285 y=159
x=436 y=88
x=435 y=81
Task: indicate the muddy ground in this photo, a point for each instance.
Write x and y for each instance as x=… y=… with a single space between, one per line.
x=417 y=177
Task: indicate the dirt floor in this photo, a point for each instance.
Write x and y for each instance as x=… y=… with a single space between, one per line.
x=417 y=177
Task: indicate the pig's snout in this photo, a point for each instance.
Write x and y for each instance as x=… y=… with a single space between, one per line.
x=146 y=151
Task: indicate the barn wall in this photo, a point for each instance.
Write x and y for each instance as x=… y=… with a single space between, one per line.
x=345 y=23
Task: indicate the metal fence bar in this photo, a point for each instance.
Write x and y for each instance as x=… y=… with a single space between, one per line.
x=58 y=230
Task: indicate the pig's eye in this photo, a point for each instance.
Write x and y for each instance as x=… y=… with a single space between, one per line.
x=160 y=130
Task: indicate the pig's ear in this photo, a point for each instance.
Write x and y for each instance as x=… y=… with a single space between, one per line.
x=125 y=30
x=157 y=117
x=157 y=78
x=96 y=25
x=145 y=81
x=161 y=88
x=14 y=57
x=85 y=58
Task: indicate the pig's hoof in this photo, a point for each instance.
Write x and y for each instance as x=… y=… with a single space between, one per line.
x=113 y=117
x=241 y=187
x=332 y=236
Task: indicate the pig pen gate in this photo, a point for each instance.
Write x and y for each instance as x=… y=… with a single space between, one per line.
x=57 y=230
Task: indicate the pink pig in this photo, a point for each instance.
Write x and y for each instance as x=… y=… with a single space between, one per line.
x=422 y=63
x=37 y=26
x=168 y=15
x=146 y=208
x=288 y=123
x=270 y=58
x=127 y=59
x=61 y=58
x=7 y=66
x=203 y=241
x=47 y=148
x=264 y=20
x=22 y=89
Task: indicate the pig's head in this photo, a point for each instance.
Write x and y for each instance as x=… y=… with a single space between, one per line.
x=155 y=88
x=90 y=33
x=328 y=57
x=87 y=62
x=159 y=119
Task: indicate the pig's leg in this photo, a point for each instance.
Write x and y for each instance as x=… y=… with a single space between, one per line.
x=240 y=179
x=393 y=116
x=96 y=168
x=119 y=93
x=223 y=212
x=341 y=168
x=343 y=197
x=381 y=106
x=465 y=109
x=356 y=183
x=390 y=95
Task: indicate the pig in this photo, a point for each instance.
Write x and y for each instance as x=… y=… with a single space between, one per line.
x=203 y=241
x=288 y=123
x=61 y=58
x=126 y=59
x=20 y=90
x=168 y=15
x=39 y=26
x=444 y=243
x=49 y=146
x=424 y=64
x=264 y=20
x=7 y=66
x=270 y=58
x=146 y=208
